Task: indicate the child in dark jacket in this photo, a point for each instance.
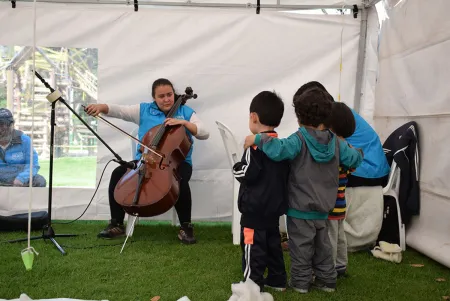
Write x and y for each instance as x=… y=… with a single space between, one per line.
x=262 y=198
x=315 y=154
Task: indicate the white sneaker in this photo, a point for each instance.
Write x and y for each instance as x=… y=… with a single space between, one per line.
x=301 y=290
x=278 y=289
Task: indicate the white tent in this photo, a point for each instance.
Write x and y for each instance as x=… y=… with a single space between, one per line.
x=413 y=85
x=228 y=54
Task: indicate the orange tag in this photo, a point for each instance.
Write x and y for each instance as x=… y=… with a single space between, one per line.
x=248 y=236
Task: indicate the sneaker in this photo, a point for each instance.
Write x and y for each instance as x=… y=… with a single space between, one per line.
x=298 y=290
x=301 y=290
x=320 y=285
x=186 y=234
x=342 y=273
x=278 y=289
x=113 y=230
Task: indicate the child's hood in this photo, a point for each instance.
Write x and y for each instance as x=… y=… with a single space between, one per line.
x=321 y=144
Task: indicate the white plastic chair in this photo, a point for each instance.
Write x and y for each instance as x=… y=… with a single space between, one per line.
x=130 y=227
x=234 y=154
x=392 y=189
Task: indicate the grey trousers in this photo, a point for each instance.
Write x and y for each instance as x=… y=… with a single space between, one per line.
x=338 y=244
x=310 y=250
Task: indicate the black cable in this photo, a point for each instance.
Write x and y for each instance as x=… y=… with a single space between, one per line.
x=108 y=245
x=98 y=185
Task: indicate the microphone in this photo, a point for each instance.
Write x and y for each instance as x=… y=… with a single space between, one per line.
x=130 y=164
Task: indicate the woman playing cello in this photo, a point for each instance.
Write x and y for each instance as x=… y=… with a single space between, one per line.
x=147 y=116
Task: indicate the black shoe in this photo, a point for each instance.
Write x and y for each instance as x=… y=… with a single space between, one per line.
x=186 y=234
x=342 y=273
x=113 y=230
x=279 y=287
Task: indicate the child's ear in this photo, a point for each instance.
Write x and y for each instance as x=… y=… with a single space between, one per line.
x=254 y=117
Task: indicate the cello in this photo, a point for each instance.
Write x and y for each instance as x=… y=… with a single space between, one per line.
x=153 y=187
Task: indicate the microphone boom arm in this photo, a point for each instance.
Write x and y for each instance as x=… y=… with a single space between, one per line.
x=129 y=136
x=57 y=96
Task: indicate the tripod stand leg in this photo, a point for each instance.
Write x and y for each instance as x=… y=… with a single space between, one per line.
x=58 y=246
x=25 y=239
x=47 y=233
x=65 y=235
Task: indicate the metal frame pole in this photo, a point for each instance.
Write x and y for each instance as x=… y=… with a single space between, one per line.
x=361 y=59
x=194 y=4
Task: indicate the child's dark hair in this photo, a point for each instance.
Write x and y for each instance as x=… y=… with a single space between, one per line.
x=312 y=85
x=161 y=82
x=342 y=122
x=269 y=107
x=312 y=107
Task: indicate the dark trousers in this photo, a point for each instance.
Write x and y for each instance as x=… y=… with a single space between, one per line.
x=261 y=249
x=183 y=205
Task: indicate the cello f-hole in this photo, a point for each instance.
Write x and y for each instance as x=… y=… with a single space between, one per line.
x=161 y=165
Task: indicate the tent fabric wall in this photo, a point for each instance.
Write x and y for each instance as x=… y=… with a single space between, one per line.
x=413 y=85
x=227 y=56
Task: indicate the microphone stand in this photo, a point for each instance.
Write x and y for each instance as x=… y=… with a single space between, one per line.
x=47 y=231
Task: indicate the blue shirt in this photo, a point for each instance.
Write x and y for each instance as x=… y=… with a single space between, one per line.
x=15 y=160
x=374 y=164
x=151 y=116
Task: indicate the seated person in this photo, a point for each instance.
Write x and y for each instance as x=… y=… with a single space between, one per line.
x=15 y=155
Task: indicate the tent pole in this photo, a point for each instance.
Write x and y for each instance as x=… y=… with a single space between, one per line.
x=361 y=58
x=194 y=4
x=371 y=3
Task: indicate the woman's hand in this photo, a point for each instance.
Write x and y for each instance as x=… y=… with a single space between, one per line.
x=95 y=109
x=17 y=183
x=175 y=121
x=249 y=141
x=189 y=125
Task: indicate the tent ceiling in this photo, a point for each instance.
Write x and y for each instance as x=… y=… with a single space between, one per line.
x=288 y=4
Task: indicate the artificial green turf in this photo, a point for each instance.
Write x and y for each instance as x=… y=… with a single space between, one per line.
x=156 y=263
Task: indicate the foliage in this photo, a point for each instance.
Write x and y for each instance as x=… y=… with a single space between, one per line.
x=3 y=101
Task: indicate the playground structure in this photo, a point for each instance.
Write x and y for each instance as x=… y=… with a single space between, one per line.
x=69 y=70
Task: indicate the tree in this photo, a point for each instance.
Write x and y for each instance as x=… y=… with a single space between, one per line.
x=3 y=101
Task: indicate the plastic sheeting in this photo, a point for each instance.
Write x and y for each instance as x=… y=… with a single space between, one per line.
x=413 y=85
x=227 y=56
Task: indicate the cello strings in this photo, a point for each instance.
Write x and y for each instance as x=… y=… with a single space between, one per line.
x=162 y=129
